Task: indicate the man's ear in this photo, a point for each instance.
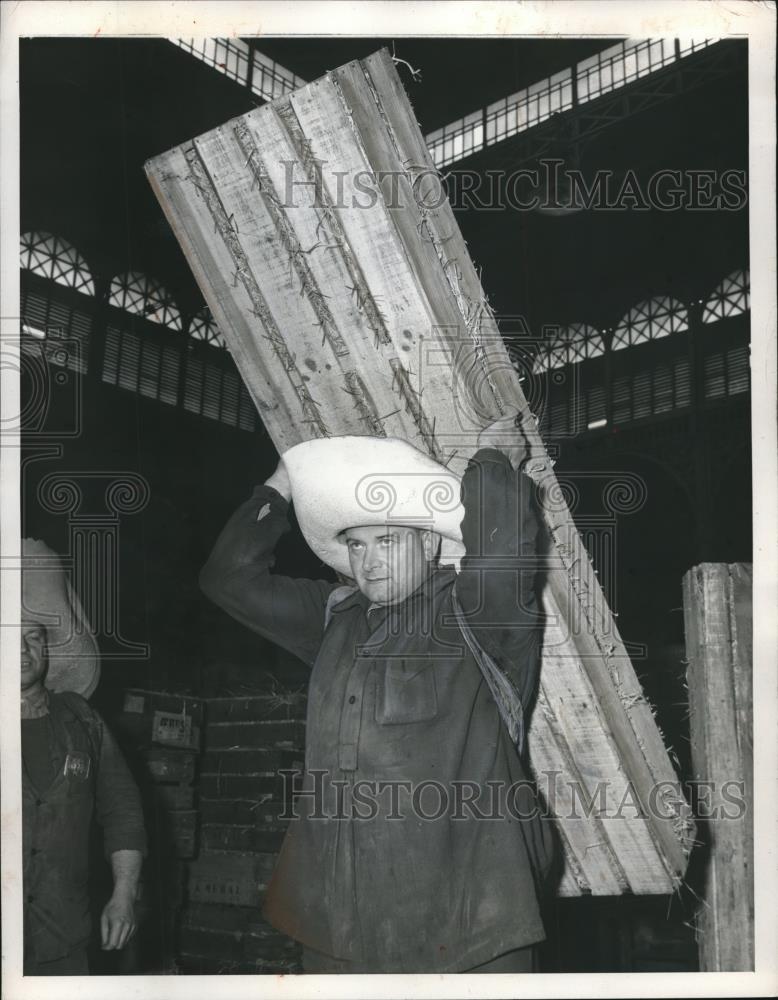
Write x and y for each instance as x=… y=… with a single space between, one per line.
x=430 y=542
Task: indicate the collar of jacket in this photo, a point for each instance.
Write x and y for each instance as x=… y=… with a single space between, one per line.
x=36 y=704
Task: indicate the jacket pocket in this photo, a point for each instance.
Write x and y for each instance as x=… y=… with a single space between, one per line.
x=406 y=693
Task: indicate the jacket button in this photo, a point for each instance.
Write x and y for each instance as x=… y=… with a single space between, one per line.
x=31 y=899
x=39 y=802
x=352 y=699
x=35 y=850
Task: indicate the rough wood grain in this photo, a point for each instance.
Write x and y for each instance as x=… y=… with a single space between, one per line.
x=718 y=622
x=352 y=306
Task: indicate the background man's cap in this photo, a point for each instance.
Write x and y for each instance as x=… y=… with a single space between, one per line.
x=49 y=599
x=349 y=482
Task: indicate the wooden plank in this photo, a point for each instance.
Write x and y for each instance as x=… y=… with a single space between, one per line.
x=177 y=180
x=386 y=279
x=620 y=762
x=406 y=345
x=609 y=830
x=331 y=287
x=717 y=617
x=572 y=592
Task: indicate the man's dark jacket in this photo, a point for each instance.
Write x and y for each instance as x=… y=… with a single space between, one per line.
x=88 y=775
x=396 y=695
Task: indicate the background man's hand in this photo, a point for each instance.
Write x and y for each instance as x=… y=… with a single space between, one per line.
x=507 y=435
x=117 y=923
x=280 y=481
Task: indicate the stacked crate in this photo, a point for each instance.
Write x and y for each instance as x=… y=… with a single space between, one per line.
x=161 y=733
x=242 y=794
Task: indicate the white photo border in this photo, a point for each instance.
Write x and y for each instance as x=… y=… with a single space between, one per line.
x=396 y=18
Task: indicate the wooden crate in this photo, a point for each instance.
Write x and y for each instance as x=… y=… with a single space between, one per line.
x=230 y=878
x=183 y=831
x=355 y=315
x=141 y=701
x=217 y=917
x=245 y=786
x=250 y=760
x=225 y=837
x=244 y=812
x=169 y=797
x=199 y=965
x=286 y=705
x=235 y=934
x=264 y=944
x=219 y=946
x=262 y=734
x=171 y=766
x=159 y=717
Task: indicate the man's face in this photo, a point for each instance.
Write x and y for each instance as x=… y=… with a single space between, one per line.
x=33 y=656
x=388 y=563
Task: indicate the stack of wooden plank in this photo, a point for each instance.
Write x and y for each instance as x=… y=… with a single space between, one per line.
x=319 y=233
x=242 y=794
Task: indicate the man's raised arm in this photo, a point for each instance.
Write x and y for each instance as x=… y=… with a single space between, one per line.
x=237 y=577
x=497 y=583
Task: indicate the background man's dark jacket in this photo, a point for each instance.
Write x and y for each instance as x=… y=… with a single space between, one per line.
x=78 y=771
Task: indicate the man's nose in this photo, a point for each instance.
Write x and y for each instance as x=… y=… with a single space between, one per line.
x=373 y=559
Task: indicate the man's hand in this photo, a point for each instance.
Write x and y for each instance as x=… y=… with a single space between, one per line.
x=280 y=481
x=117 y=923
x=507 y=435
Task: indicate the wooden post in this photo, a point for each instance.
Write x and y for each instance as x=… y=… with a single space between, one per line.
x=718 y=618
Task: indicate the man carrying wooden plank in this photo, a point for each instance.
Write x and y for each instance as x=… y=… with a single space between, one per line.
x=352 y=318
x=419 y=845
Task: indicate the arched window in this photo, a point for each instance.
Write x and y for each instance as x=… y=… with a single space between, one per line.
x=650 y=320
x=139 y=294
x=203 y=327
x=730 y=298
x=55 y=258
x=574 y=343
